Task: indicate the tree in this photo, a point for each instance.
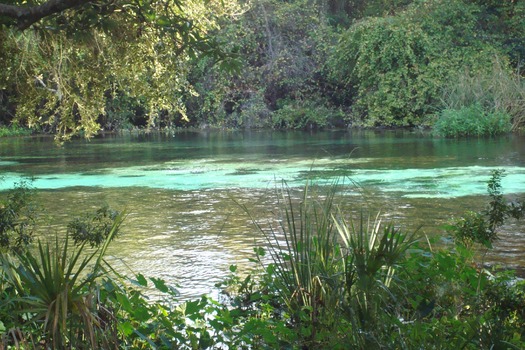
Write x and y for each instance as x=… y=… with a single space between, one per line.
x=24 y=16
x=281 y=81
x=65 y=59
x=393 y=68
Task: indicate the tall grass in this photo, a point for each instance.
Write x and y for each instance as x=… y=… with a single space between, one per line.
x=472 y=121
x=499 y=91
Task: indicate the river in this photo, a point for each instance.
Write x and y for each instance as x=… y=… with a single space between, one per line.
x=181 y=191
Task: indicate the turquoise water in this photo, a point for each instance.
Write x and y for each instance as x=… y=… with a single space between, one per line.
x=181 y=191
x=412 y=164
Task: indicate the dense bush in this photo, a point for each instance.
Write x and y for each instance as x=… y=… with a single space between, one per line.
x=496 y=93
x=383 y=62
x=280 y=67
x=395 y=66
x=358 y=284
x=17 y=217
x=471 y=121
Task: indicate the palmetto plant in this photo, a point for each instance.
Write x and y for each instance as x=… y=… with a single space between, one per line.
x=372 y=253
x=309 y=259
x=328 y=270
x=54 y=290
x=305 y=258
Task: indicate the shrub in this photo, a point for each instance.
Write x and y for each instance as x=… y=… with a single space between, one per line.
x=482 y=227
x=14 y=130
x=17 y=217
x=394 y=67
x=328 y=277
x=471 y=121
x=303 y=115
x=52 y=296
x=496 y=91
x=94 y=229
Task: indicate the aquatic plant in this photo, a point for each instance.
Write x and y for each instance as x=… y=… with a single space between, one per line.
x=471 y=120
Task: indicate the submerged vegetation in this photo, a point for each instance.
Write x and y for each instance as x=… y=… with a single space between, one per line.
x=326 y=278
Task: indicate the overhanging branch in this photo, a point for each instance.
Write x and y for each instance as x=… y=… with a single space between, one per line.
x=24 y=17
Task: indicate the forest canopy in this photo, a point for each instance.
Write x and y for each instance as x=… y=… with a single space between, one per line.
x=298 y=64
x=66 y=69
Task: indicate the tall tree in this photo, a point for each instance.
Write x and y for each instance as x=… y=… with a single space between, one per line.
x=65 y=59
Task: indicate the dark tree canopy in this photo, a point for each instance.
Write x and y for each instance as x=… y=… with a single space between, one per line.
x=23 y=16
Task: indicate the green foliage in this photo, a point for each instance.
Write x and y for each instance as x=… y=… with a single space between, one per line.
x=505 y=318
x=446 y=294
x=472 y=228
x=482 y=227
x=374 y=253
x=62 y=72
x=94 y=229
x=337 y=284
x=17 y=217
x=304 y=115
x=14 y=130
x=232 y=64
x=471 y=121
x=305 y=261
x=53 y=294
x=330 y=293
x=503 y=22
x=497 y=93
x=326 y=281
x=393 y=67
x=280 y=61
x=123 y=112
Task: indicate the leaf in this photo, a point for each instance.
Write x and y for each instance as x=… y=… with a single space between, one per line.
x=141 y=280
x=125 y=328
x=259 y=251
x=160 y=284
x=124 y=302
x=141 y=314
x=192 y=308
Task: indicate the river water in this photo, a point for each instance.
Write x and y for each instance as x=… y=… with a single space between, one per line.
x=182 y=191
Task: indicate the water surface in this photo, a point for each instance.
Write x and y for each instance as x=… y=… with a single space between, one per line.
x=180 y=190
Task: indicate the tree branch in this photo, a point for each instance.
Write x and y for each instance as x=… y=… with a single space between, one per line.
x=24 y=17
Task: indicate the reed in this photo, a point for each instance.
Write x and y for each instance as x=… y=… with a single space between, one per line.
x=498 y=91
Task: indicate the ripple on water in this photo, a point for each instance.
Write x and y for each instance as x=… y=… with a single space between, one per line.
x=184 y=195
